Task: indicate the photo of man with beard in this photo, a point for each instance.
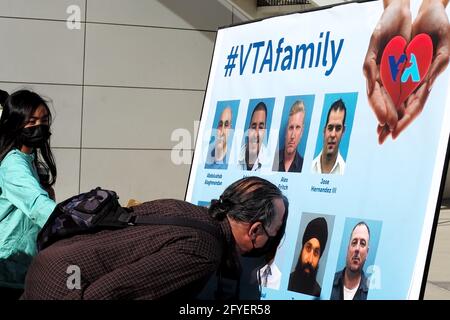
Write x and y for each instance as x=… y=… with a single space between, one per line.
x=219 y=152
x=303 y=278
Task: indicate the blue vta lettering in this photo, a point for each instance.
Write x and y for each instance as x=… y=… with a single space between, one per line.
x=277 y=55
x=411 y=71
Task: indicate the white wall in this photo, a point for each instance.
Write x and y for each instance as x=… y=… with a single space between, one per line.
x=135 y=71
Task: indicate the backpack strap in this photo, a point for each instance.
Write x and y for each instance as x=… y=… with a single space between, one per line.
x=133 y=220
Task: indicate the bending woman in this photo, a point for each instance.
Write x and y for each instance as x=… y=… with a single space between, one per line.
x=27 y=174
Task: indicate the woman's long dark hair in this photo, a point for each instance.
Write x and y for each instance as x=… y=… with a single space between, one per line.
x=17 y=110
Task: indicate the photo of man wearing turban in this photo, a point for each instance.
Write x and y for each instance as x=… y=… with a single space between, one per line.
x=303 y=278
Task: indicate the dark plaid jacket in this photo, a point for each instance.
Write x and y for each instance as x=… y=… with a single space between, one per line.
x=138 y=262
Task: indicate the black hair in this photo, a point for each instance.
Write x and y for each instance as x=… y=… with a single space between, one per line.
x=336 y=106
x=17 y=110
x=260 y=106
x=3 y=96
x=248 y=200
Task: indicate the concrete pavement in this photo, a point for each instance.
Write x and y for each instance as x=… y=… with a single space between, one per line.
x=438 y=282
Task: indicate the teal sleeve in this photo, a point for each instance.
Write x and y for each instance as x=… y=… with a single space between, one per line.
x=24 y=191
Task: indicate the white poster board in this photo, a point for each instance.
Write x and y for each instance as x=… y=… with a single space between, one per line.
x=317 y=58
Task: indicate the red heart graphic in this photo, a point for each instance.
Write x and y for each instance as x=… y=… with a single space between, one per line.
x=396 y=60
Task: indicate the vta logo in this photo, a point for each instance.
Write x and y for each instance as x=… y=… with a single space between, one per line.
x=404 y=66
x=410 y=71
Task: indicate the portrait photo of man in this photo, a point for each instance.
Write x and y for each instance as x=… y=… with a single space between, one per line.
x=335 y=130
x=253 y=155
x=358 y=249
x=304 y=277
x=222 y=134
x=293 y=134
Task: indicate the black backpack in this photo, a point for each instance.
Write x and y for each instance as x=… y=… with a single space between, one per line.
x=99 y=209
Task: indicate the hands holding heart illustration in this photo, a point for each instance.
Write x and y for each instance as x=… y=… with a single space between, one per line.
x=397 y=47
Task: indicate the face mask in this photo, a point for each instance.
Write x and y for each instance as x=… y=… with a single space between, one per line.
x=271 y=245
x=35 y=136
x=259 y=252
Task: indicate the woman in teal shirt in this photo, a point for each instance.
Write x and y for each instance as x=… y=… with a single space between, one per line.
x=27 y=174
